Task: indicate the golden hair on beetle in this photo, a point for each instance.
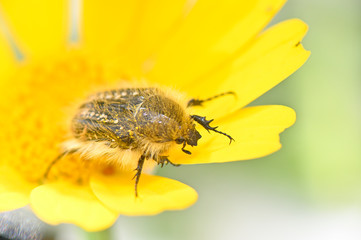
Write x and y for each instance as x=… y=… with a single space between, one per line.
x=127 y=126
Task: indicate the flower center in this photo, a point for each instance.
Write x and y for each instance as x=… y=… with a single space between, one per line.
x=37 y=104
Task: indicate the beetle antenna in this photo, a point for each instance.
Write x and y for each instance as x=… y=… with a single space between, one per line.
x=198 y=102
x=205 y=123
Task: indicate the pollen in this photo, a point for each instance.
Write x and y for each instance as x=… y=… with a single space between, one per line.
x=37 y=122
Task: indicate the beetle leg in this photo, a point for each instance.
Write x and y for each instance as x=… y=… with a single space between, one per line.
x=164 y=160
x=60 y=156
x=205 y=123
x=198 y=102
x=139 y=172
x=185 y=150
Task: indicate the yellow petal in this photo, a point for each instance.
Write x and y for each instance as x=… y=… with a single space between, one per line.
x=14 y=190
x=255 y=130
x=156 y=194
x=7 y=62
x=274 y=56
x=106 y=28
x=153 y=27
x=209 y=36
x=62 y=202
x=40 y=26
x=7 y=57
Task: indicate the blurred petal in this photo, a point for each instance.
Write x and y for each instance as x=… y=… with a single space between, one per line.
x=129 y=31
x=156 y=194
x=62 y=202
x=14 y=190
x=7 y=59
x=107 y=26
x=255 y=130
x=273 y=57
x=156 y=23
x=212 y=32
x=40 y=26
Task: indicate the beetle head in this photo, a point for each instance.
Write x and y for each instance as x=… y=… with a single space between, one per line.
x=191 y=139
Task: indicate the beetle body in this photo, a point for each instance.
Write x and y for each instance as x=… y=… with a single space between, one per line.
x=121 y=124
x=128 y=126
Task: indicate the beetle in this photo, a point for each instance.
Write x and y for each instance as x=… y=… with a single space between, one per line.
x=143 y=122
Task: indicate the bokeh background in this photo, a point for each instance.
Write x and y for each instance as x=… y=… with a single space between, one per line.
x=311 y=188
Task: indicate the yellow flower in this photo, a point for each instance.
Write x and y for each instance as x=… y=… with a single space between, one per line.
x=54 y=53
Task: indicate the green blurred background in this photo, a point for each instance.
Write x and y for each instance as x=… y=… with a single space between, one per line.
x=311 y=188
